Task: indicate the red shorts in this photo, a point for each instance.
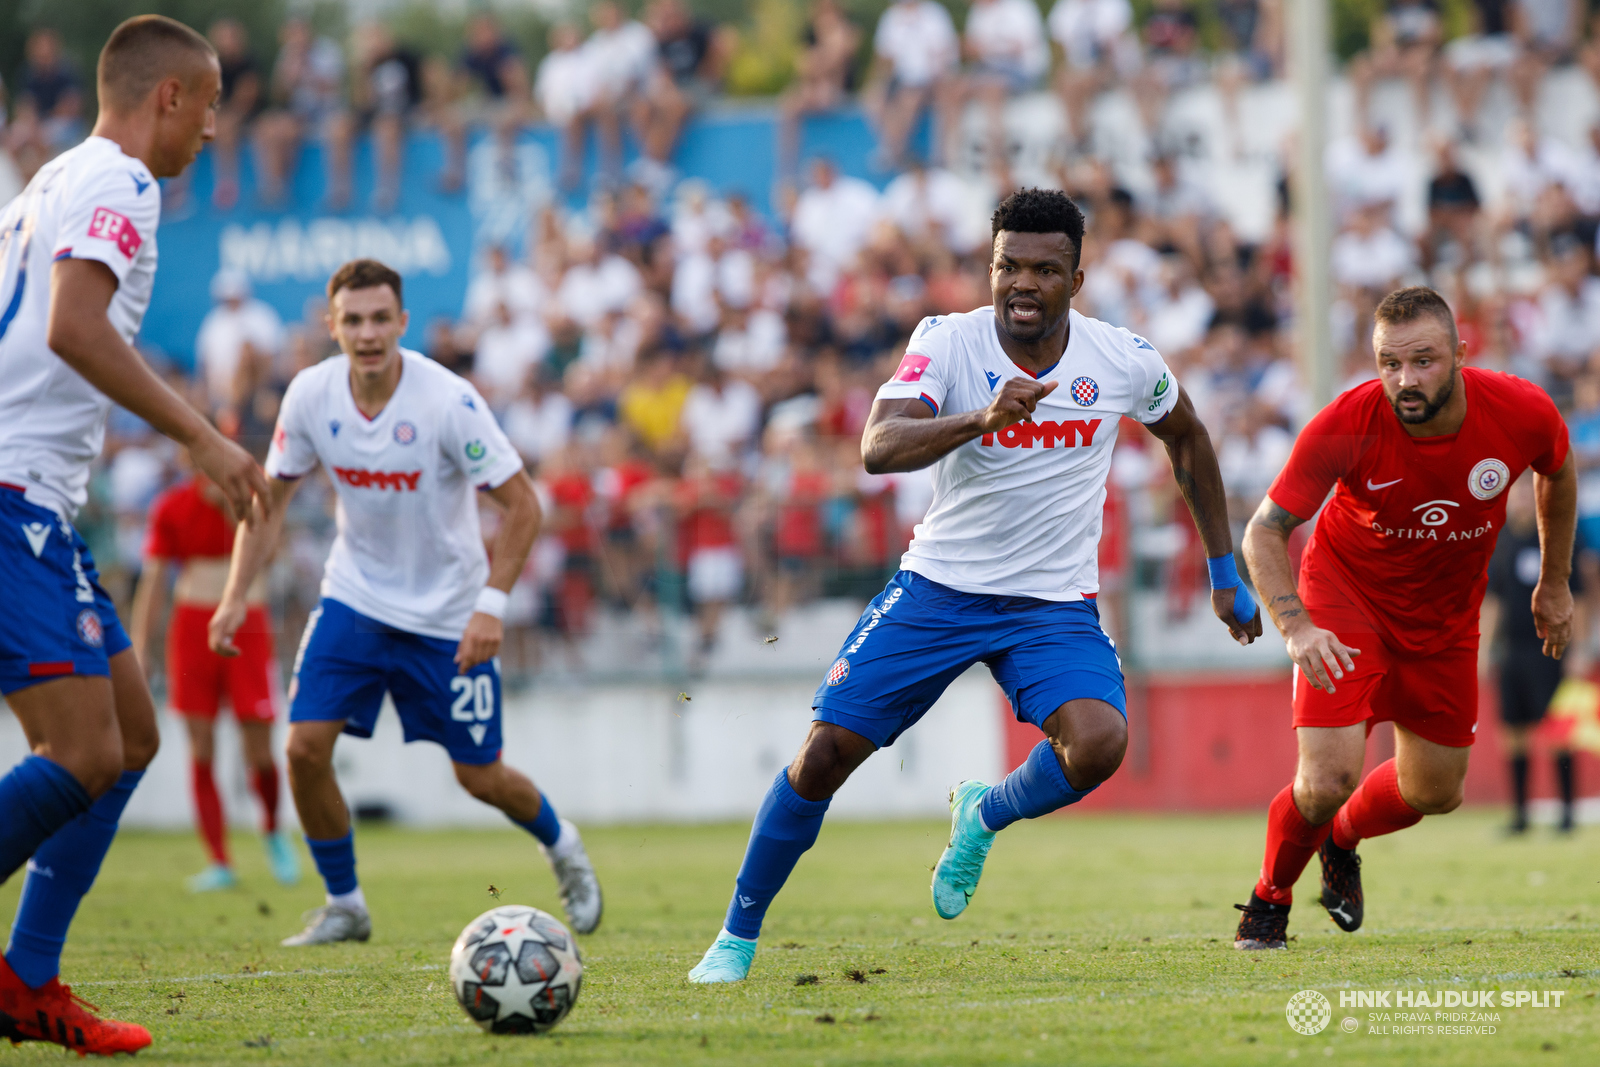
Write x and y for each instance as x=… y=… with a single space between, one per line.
x=1435 y=697
x=198 y=678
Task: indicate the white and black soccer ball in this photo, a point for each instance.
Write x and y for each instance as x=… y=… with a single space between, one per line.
x=516 y=970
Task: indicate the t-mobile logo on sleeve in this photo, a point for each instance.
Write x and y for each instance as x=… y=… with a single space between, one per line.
x=108 y=225
x=911 y=368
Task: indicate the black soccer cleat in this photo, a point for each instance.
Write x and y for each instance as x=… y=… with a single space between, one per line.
x=1264 y=925
x=1341 y=886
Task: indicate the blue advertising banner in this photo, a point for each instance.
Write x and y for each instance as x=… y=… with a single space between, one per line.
x=430 y=237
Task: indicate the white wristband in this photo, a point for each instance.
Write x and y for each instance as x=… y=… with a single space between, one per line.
x=491 y=601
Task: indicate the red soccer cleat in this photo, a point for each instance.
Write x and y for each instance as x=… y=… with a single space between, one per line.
x=52 y=1013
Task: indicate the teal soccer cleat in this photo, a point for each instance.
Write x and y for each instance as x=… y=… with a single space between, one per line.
x=281 y=858
x=214 y=878
x=955 y=879
x=727 y=960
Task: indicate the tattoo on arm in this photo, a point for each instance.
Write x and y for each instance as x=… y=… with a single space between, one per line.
x=1185 y=479
x=1287 y=606
x=1272 y=517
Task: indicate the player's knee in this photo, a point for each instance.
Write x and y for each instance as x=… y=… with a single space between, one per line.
x=1434 y=798
x=1096 y=757
x=139 y=747
x=306 y=755
x=1319 y=793
x=481 y=783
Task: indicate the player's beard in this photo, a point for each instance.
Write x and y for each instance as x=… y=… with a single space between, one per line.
x=1431 y=406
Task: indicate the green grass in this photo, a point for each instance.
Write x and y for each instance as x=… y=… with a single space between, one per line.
x=1094 y=940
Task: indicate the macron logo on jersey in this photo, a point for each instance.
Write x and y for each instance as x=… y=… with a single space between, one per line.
x=139 y=186
x=399 y=481
x=108 y=225
x=1070 y=432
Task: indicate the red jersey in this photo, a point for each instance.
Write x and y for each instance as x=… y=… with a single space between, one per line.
x=185 y=525
x=1402 y=549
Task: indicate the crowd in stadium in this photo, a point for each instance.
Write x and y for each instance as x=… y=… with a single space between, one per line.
x=688 y=378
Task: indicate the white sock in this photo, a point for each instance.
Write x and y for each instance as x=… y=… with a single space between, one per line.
x=568 y=843
x=355 y=900
x=736 y=937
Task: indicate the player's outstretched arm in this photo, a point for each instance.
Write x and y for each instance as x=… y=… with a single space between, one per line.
x=149 y=601
x=82 y=335
x=519 y=529
x=253 y=544
x=906 y=435
x=1194 y=467
x=1316 y=652
x=1557 y=503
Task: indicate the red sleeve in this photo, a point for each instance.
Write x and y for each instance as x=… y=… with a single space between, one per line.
x=161 y=538
x=1547 y=443
x=1326 y=449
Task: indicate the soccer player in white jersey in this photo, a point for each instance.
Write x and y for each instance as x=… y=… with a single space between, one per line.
x=77 y=262
x=1016 y=407
x=410 y=605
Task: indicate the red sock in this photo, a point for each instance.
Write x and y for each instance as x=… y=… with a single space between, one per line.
x=1374 y=809
x=1291 y=842
x=208 y=808
x=265 y=780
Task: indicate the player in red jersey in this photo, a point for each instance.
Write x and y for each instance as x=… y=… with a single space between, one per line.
x=1384 y=625
x=189 y=532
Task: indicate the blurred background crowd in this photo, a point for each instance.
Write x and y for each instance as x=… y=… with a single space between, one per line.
x=687 y=376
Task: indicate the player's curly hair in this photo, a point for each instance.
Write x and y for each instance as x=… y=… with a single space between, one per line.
x=1040 y=211
x=1413 y=302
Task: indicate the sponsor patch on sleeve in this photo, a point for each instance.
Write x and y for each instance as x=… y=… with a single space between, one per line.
x=113 y=226
x=911 y=368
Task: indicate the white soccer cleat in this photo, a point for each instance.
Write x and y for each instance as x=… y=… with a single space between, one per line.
x=580 y=889
x=331 y=923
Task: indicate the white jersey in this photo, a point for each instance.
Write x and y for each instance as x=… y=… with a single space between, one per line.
x=91 y=202
x=409 y=551
x=1018 y=513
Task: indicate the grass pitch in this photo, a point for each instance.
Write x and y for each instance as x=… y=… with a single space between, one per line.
x=1094 y=940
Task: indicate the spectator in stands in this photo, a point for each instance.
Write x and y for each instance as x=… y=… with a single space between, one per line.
x=831 y=221
x=568 y=90
x=1365 y=168
x=388 y=94
x=503 y=281
x=1007 y=54
x=1566 y=330
x=595 y=283
x=1369 y=254
x=651 y=406
x=692 y=58
x=825 y=76
x=916 y=51
x=493 y=90
x=538 y=421
x=705 y=502
x=1405 y=42
x=721 y=416
x=306 y=99
x=1098 y=48
x=1475 y=59
x=508 y=346
x=1547 y=33
x=1454 y=211
x=931 y=204
x=1172 y=61
x=623 y=51
x=49 y=115
x=241 y=100
x=239 y=341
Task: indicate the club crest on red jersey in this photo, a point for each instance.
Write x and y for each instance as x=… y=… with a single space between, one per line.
x=1488 y=479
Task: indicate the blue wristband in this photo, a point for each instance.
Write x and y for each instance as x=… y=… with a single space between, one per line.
x=1225 y=575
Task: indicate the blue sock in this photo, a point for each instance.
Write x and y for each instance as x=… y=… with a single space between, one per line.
x=546 y=826
x=60 y=875
x=785 y=827
x=336 y=862
x=37 y=797
x=1036 y=788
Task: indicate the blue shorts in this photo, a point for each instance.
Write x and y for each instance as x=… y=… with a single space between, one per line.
x=55 y=620
x=919 y=636
x=347 y=661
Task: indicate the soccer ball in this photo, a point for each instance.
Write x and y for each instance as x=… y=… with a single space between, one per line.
x=516 y=970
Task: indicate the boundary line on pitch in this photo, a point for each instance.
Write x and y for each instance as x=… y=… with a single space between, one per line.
x=224 y=976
